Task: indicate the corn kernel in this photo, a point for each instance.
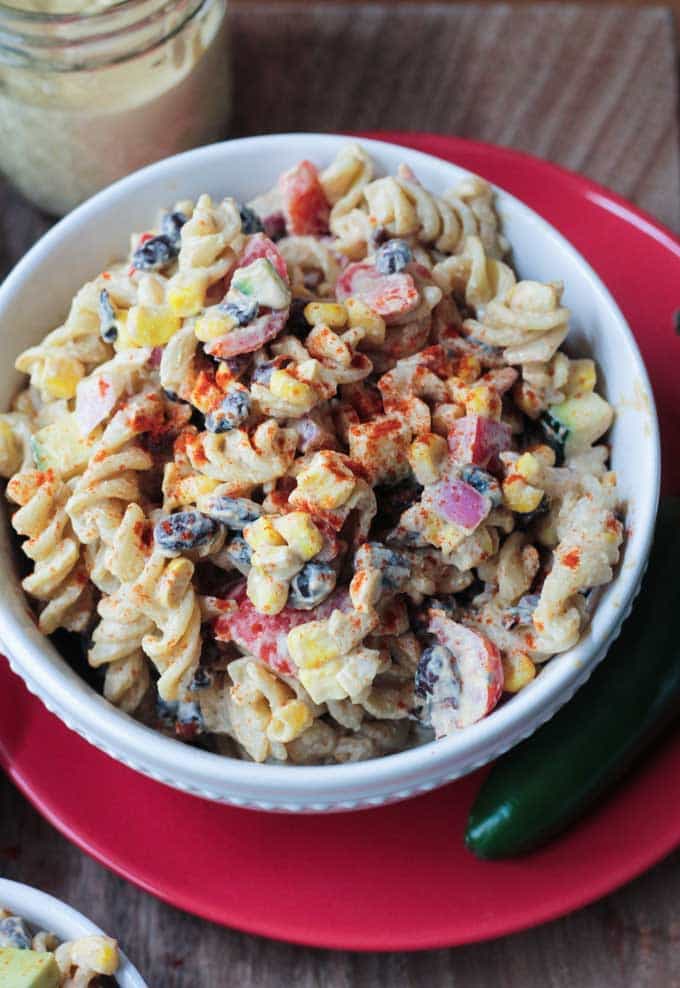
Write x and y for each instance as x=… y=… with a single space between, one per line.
x=148 y=326
x=520 y=496
x=213 y=326
x=261 y=533
x=326 y=482
x=326 y=314
x=441 y=534
x=289 y=721
x=527 y=400
x=322 y=684
x=426 y=455
x=60 y=376
x=468 y=368
x=362 y=315
x=186 y=294
x=267 y=594
x=518 y=671
x=95 y=953
x=283 y=385
x=582 y=377
x=311 y=645
x=529 y=467
x=483 y=400
x=301 y=534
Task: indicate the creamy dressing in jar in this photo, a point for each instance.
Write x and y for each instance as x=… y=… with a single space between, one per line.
x=88 y=95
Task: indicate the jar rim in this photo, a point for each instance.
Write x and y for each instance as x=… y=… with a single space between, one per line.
x=67 y=17
x=67 y=42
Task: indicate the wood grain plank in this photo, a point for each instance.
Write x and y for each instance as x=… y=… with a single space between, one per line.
x=593 y=88
x=571 y=83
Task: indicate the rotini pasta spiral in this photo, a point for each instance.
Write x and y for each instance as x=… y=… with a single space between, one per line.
x=59 y=578
x=70 y=352
x=117 y=644
x=474 y=275
x=312 y=266
x=529 y=322
x=343 y=183
x=243 y=460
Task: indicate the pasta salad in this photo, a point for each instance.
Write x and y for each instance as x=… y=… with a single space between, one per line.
x=38 y=958
x=311 y=476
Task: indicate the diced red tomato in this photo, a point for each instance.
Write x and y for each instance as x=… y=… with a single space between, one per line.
x=387 y=294
x=476 y=676
x=304 y=203
x=265 y=636
x=460 y=503
x=248 y=338
x=477 y=440
x=259 y=245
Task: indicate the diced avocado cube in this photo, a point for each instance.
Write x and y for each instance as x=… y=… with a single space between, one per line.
x=27 y=969
x=262 y=281
x=60 y=447
x=585 y=417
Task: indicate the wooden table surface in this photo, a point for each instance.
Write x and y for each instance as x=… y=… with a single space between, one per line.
x=593 y=88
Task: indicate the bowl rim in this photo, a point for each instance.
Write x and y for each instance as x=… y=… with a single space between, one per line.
x=38 y=908
x=402 y=773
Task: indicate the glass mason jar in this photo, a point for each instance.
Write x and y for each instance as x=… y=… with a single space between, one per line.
x=88 y=96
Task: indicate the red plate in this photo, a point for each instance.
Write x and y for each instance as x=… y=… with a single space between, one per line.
x=398 y=877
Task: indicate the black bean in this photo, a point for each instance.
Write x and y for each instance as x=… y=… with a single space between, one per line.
x=395 y=569
x=234 y=410
x=483 y=482
x=311 y=585
x=202 y=680
x=250 y=221
x=173 y=396
x=393 y=256
x=234 y=512
x=297 y=324
x=263 y=372
x=238 y=365
x=184 y=530
x=166 y=711
x=522 y=612
x=240 y=553
x=555 y=435
x=275 y=226
x=420 y=613
x=243 y=309
x=380 y=235
x=171 y=227
x=154 y=254
x=15 y=933
x=435 y=663
x=108 y=328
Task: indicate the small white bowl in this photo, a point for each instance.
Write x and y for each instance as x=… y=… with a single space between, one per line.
x=37 y=294
x=44 y=912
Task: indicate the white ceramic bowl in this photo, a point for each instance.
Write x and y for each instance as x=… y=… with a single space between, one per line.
x=36 y=295
x=44 y=912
